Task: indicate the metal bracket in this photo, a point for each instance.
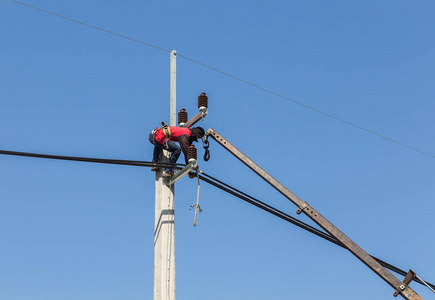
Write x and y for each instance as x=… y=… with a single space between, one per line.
x=189 y=167
x=408 y=278
x=204 y=111
x=302 y=207
x=195 y=119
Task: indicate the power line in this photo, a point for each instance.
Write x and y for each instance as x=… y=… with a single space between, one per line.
x=233 y=191
x=95 y=160
x=310 y=107
x=232 y=76
x=219 y=184
x=92 y=26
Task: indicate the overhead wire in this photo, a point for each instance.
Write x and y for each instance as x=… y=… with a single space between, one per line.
x=309 y=107
x=243 y=196
x=232 y=76
x=268 y=208
x=92 y=26
x=219 y=184
x=210 y=179
x=95 y=160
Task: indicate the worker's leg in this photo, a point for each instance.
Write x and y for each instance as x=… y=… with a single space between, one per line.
x=156 y=152
x=175 y=153
x=169 y=146
x=175 y=150
x=157 y=148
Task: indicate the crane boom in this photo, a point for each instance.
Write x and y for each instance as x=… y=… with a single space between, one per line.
x=401 y=288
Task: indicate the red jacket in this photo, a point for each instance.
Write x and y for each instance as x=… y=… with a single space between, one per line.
x=179 y=134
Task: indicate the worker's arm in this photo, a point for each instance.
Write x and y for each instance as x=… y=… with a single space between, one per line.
x=185 y=141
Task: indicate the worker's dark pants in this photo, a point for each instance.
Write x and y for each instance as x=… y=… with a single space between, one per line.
x=171 y=147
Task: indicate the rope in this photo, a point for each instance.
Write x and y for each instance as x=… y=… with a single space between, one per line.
x=198 y=209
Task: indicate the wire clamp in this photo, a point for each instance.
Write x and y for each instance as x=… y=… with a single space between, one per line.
x=408 y=278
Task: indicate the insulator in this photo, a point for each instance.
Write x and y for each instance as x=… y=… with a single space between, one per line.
x=182 y=117
x=202 y=101
x=191 y=153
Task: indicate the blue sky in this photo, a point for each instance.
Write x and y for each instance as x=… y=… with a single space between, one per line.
x=72 y=230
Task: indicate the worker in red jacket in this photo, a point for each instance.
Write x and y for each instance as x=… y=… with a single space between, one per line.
x=165 y=137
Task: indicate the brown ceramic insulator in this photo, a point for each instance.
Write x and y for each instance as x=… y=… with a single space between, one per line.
x=182 y=116
x=191 y=152
x=202 y=100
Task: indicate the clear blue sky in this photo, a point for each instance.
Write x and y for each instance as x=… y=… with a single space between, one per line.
x=71 y=230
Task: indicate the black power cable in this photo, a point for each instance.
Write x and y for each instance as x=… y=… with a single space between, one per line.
x=217 y=183
x=235 y=192
x=268 y=208
x=95 y=160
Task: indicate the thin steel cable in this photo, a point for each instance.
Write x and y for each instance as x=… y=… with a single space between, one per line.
x=92 y=26
x=232 y=76
x=425 y=283
x=309 y=107
x=233 y=191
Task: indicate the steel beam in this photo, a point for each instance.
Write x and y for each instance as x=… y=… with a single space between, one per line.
x=400 y=287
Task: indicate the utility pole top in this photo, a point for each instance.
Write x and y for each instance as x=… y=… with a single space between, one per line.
x=173 y=90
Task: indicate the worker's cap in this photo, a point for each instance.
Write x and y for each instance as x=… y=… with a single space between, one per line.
x=197 y=133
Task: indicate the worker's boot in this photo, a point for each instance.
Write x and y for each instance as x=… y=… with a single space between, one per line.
x=168 y=173
x=154 y=167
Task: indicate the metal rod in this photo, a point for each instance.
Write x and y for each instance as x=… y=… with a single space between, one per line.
x=194 y=120
x=189 y=167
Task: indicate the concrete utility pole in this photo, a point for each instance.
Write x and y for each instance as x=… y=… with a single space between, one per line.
x=164 y=234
